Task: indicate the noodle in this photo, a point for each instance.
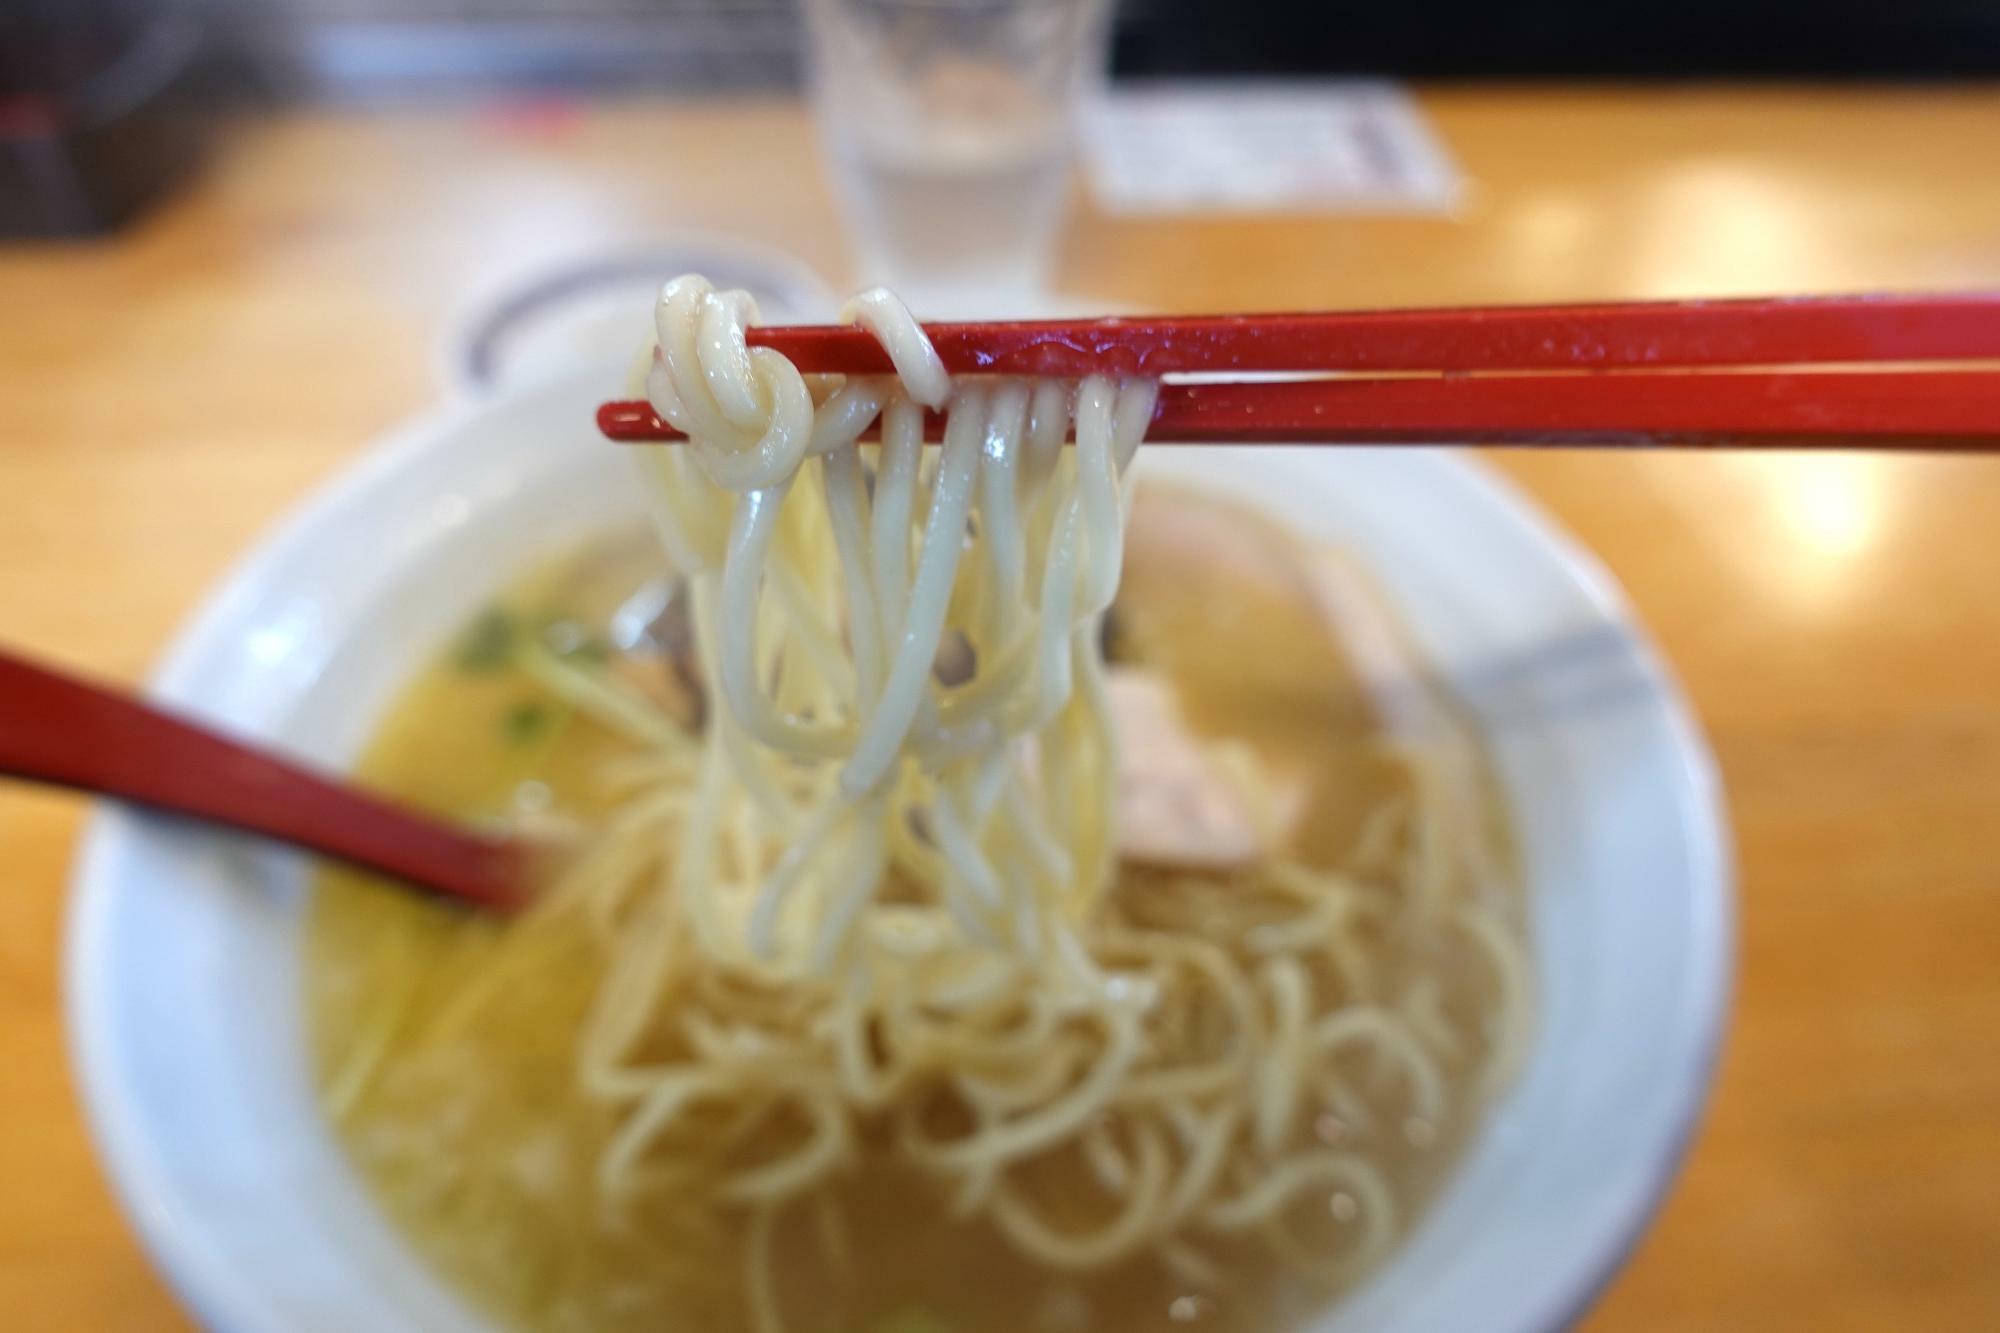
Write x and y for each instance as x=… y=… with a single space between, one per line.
x=875 y=901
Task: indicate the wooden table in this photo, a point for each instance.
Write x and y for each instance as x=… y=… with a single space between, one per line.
x=1837 y=619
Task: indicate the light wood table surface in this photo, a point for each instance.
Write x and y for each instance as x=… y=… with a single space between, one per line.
x=164 y=396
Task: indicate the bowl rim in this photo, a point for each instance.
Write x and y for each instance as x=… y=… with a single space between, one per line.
x=203 y=1279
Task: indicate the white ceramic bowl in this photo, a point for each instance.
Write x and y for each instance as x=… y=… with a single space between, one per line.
x=184 y=946
x=595 y=309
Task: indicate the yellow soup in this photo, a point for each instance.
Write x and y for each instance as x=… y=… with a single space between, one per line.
x=450 y=1079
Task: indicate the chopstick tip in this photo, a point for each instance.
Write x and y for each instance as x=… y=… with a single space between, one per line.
x=630 y=420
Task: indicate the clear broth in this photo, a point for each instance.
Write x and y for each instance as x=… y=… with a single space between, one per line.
x=483 y=1151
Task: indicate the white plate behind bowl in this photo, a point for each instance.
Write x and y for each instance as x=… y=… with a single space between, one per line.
x=184 y=946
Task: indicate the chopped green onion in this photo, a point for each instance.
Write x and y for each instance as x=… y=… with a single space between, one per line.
x=525 y=721
x=487 y=645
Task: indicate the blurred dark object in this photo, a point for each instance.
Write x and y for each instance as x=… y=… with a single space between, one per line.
x=97 y=117
x=401 y=50
x=1588 y=39
x=398 y=49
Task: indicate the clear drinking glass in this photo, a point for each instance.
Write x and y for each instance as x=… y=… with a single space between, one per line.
x=949 y=126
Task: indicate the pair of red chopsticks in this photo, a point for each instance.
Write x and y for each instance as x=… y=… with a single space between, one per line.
x=1865 y=371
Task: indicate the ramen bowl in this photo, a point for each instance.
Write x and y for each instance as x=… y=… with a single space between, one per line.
x=185 y=967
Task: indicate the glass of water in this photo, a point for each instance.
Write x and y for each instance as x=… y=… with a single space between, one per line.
x=949 y=126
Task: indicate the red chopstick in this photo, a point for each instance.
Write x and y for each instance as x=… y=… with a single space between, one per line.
x=57 y=729
x=1767 y=332
x=1676 y=373
x=1947 y=410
